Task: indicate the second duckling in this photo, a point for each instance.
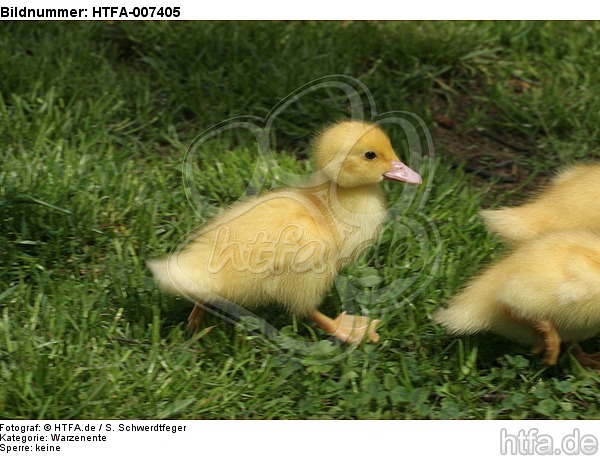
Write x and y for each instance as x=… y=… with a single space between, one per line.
x=544 y=292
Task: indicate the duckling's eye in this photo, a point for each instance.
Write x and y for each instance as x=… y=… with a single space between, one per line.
x=370 y=155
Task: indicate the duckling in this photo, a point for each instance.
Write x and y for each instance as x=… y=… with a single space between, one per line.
x=287 y=246
x=572 y=200
x=543 y=292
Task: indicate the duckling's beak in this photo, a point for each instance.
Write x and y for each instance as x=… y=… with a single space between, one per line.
x=403 y=173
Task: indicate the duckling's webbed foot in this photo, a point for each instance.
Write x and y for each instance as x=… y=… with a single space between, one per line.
x=348 y=328
x=354 y=329
x=546 y=329
x=586 y=359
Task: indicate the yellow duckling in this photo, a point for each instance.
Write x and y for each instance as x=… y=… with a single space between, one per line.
x=287 y=246
x=572 y=200
x=543 y=292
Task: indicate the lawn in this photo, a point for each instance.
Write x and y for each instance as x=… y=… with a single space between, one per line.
x=96 y=123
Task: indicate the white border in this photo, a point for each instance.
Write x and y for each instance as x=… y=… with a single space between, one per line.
x=249 y=438
x=335 y=10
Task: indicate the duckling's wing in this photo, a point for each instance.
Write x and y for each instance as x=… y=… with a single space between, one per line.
x=273 y=248
x=555 y=278
x=282 y=231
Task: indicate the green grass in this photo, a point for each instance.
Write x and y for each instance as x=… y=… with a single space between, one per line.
x=95 y=121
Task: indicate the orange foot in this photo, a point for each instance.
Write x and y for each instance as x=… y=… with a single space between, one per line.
x=348 y=328
x=196 y=317
x=549 y=344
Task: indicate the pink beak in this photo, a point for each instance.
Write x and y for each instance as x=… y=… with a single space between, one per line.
x=403 y=173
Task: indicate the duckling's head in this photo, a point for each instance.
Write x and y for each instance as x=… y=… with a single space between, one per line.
x=353 y=153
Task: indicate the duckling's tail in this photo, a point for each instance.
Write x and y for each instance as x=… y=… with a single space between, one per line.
x=473 y=310
x=161 y=271
x=172 y=275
